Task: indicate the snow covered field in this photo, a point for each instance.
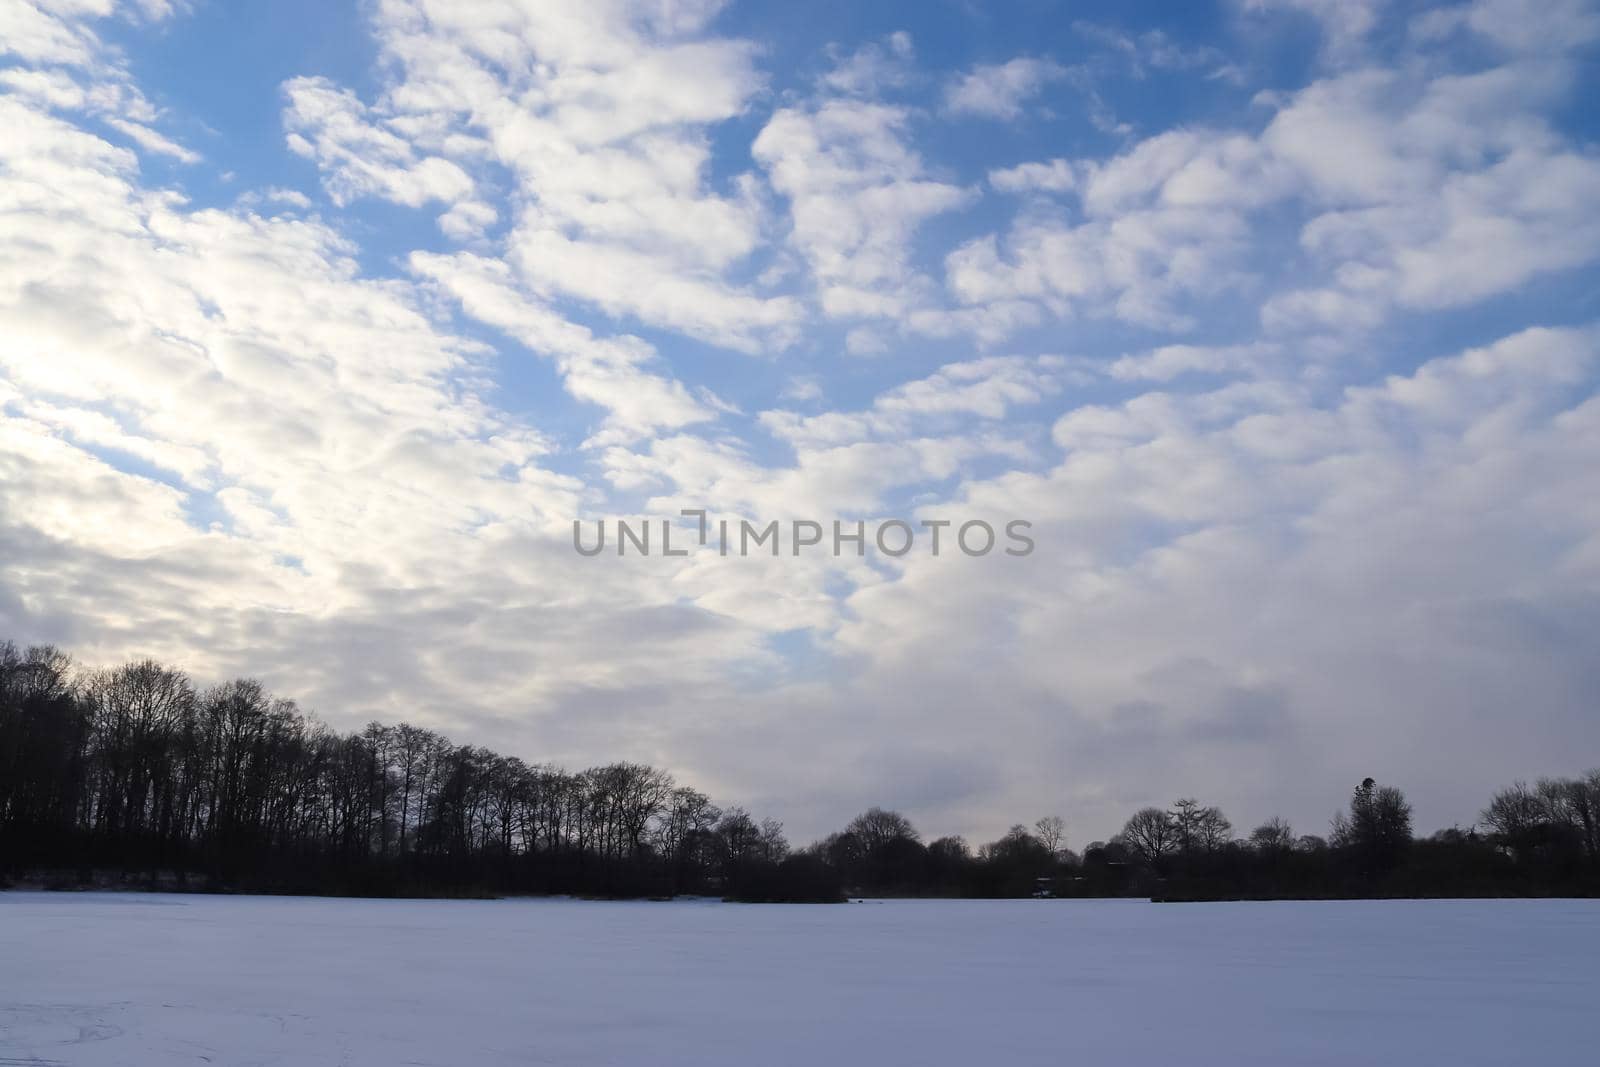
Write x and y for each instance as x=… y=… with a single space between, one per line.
x=132 y=980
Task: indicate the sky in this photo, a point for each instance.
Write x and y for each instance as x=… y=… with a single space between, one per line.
x=320 y=324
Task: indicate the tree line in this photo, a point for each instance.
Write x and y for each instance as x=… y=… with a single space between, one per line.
x=134 y=776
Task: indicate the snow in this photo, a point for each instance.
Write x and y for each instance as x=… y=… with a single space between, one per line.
x=130 y=980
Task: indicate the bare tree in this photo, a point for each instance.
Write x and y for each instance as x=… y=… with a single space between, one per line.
x=741 y=836
x=875 y=828
x=1272 y=836
x=1515 y=816
x=772 y=845
x=1378 y=826
x=1151 y=834
x=1198 y=827
x=1052 y=830
x=1213 y=831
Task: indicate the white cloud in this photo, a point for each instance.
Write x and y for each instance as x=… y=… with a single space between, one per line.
x=82 y=73
x=1345 y=24
x=330 y=502
x=360 y=156
x=610 y=372
x=1172 y=361
x=600 y=113
x=468 y=220
x=1441 y=194
x=801 y=390
x=621 y=281
x=1000 y=90
x=1054 y=176
x=51 y=88
x=933 y=411
x=857 y=194
x=873 y=68
x=292 y=198
x=153 y=141
x=1140 y=266
x=1530 y=27
x=46 y=33
x=1250 y=578
x=1159 y=50
x=985 y=387
x=1416 y=191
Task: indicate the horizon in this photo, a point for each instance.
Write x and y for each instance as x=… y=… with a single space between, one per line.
x=1072 y=839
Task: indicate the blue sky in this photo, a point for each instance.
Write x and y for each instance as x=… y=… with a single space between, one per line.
x=1277 y=318
x=218 y=74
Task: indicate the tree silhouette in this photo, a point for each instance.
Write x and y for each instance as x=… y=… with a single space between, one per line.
x=131 y=775
x=1052 y=830
x=1151 y=834
x=1377 y=828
